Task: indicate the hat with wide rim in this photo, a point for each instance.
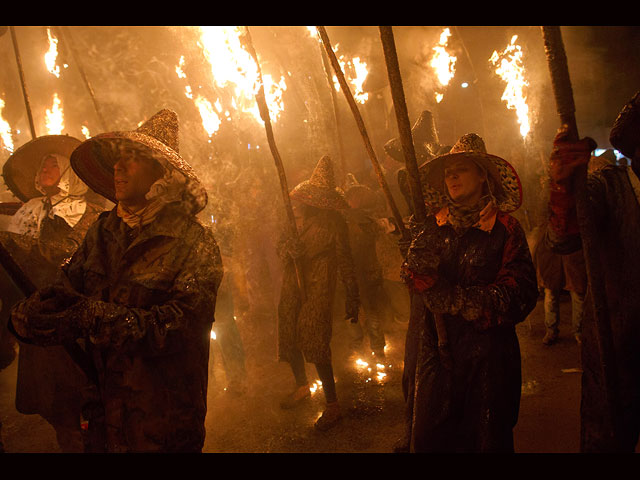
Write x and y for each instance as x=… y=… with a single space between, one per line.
x=425 y=140
x=320 y=190
x=508 y=189
x=20 y=169
x=625 y=132
x=156 y=138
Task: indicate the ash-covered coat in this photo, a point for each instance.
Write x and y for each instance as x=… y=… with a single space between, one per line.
x=615 y=210
x=326 y=251
x=147 y=327
x=483 y=283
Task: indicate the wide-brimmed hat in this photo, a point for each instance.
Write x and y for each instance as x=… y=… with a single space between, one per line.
x=157 y=138
x=506 y=186
x=320 y=190
x=625 y=133
x=22 y=167
x=425 y=140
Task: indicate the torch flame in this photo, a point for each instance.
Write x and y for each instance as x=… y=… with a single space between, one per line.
x=510 y=68
x=210 y=121
x=5 y=130
x=55 y=117
x=443 y=63
x=85 y=131
x=51 y=55
x=233 y=68
x=355 y=73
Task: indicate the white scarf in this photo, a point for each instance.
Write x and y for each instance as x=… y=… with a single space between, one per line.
x=69 y=203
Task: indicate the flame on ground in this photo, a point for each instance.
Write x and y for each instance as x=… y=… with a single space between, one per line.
x=54 y=118
x=5 y=130
x=443 y=63
x=510 y=68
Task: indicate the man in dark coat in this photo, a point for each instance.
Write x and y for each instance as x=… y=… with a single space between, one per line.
x=469 y=264
x=139 y=293
x=610 y=407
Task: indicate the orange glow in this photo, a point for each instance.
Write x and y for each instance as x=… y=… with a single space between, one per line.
x=54 y=119
x=5 y=130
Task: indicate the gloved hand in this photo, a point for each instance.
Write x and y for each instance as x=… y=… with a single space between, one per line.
x=566 y=156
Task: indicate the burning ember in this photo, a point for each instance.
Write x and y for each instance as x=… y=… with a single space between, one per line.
x=5 y=130
x=55 y=117
x=443 y=63
x=355 y=72
x=509 y=67
x=315 y=386
x=85 y=132
x=213 y=334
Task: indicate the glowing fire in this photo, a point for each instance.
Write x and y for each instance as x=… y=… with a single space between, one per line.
x=355 y=73
x=213 y=334
x=85 y=131
x=210 y=121
x=510 y=68
x=234 y=69
x=5 y=130
x=315 y=386
x=443 y=63
x=55 y=117
x=51 y=55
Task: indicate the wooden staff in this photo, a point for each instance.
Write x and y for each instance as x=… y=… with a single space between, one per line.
x=336 y=115
x=22 y=82
x=415 y=186
x=264 y=114
x=561 y=83
x=64 y=32
x=363 y=131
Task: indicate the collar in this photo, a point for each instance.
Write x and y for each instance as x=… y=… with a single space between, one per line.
x=169 y=222
x=486 y=222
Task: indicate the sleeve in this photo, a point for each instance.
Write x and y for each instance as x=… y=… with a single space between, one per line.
x=506 y=301
x=347 y=269
x=191 y=300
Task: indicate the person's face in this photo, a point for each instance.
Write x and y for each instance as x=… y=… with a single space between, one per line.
x=464 y=181
x=133 y=176
x=49 y=173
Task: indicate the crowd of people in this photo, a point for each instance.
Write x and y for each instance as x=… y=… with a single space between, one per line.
x=128 y=283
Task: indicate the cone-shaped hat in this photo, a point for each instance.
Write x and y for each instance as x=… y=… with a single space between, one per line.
x=320 y=190
x=471 y=145
x=156 y=138
x=425 y=140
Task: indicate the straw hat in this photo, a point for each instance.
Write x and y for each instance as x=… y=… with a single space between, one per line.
x=320 y=190
x=156 y=138
x=425 y=140
x=23 y=165
x=508 y=189
x=625 y=133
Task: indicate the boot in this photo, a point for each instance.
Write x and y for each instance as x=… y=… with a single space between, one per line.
x=294 y=399
x=330 y=417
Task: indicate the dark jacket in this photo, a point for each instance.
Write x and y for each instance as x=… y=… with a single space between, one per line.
x=483 y=283
x=616 y=212
x=146 y=323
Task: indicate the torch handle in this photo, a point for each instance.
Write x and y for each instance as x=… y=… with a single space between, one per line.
x=264 y=114
x=23 y=82
x=363 y=131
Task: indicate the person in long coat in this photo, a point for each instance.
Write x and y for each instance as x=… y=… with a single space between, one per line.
x=469 y=264
x=43 y=233
x=323 y=250
x=139 y=293
x=610 y=394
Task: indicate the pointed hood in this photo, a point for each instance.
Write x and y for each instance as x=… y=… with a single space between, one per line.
x=320 y=190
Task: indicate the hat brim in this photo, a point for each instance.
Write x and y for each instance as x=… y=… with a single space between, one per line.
x=319 y=197
x=94 y=159
x=20 y=169
x=506 y=180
